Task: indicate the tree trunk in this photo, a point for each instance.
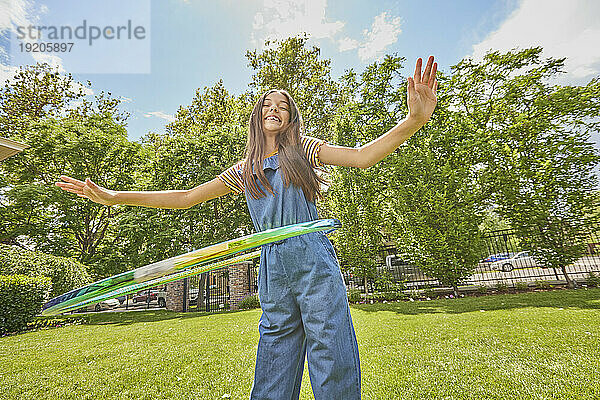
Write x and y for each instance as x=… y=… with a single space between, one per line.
x=570 y=283
x=201 y=287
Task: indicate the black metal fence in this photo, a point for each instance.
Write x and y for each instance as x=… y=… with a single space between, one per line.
x=253 y=277
x=506 y=262
x=209 y=291
x=205 y=292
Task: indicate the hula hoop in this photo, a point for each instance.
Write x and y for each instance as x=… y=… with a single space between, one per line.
x=182 y=262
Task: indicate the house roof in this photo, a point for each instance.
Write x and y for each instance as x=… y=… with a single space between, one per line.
x=10 y=147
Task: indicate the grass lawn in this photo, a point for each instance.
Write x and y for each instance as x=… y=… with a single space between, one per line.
x=543 y=345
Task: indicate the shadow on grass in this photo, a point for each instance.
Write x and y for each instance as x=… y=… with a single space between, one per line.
x=134 y=317
x=580 y=299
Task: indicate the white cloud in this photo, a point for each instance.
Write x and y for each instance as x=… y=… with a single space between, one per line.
x=160 y=114
x=280 y=19
x=384 y=32
x=73 y=104
x=563 y=28
x=53 y=60
x=345 y=44
x=14 y=12
x=86 y=90
x=6 y=73
x=22 y=13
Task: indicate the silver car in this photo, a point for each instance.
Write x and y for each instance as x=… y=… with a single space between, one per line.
x=104 y=305
x=522 y=259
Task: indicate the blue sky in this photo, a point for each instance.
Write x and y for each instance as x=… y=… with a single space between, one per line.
x=192 y=44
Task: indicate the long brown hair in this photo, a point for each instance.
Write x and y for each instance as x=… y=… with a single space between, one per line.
x=292 y=159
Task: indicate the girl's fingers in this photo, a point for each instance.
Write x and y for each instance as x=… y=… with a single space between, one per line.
x=417 y=76
x=80 y=188
x=432 y=76
x=411 y=88
x=90 y=183
x=72 y=190
x=71 y=180
x=427 y=73
x=67 y=185
x=435 y=85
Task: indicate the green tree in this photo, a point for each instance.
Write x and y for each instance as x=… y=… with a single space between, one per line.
x=536 y=149
x=438 y=200
x=427 y=196
x=52 y=220
x=289 y=64
x=34 y=93
x=358 y=197
x=84 y=140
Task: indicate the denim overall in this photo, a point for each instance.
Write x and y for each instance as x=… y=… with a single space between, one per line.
x=304 y=303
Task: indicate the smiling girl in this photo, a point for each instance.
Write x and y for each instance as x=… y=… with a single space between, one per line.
x=301 y=290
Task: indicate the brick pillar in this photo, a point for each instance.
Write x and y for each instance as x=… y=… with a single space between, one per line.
x=175 y=296
x=238 y=283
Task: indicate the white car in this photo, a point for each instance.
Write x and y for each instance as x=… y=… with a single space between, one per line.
x=103 y=305
x=522 y=259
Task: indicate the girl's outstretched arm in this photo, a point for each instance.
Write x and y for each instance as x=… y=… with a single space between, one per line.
x=421 y=103
x=161 y=199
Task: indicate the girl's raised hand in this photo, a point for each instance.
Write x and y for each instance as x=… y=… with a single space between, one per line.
x=87 y=189
x=421 y=92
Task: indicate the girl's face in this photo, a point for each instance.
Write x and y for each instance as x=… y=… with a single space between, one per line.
x=275 y=112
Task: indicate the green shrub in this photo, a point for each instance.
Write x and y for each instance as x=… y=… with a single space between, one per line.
x=482 y=289
x=521 y=286
x=21 y=299
x=55 y=322
x=354 y=295
x=414 y=294
x=501 y=287
x=428 y=292
x=249 y=302
x=66 y=274
x=592 y=280
x=400 y=285
x=543 y=285
x=384 y=281
x=395 y=295
x=386 y=296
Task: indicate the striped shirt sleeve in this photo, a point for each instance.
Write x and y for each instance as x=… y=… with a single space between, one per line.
x=311 y=148
x=232 y=178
